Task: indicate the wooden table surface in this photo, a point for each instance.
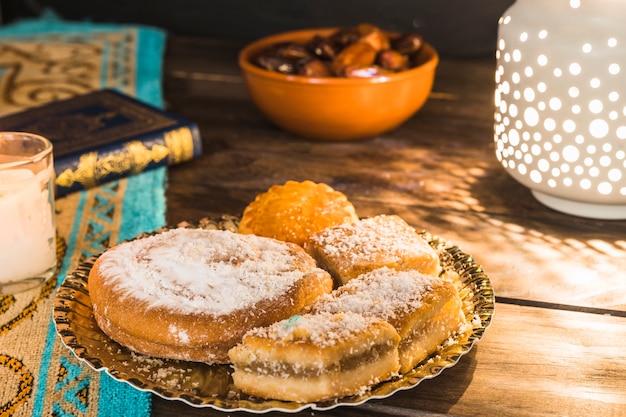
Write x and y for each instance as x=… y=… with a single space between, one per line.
x=556 y=345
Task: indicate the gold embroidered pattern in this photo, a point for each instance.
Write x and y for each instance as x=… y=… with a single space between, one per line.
x=24 y=388
x=62 y=66
x=31 y=308
x=76 y=386
x=6 y=301
x=37 y=68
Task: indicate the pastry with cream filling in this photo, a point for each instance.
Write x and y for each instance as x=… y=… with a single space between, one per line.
x=424 y=309
x=312 y=358
x=349 y=250
x=191 y=294
x=293 y=211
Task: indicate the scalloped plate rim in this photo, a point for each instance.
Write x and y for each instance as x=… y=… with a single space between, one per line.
x=312 y=406
x=89 y=359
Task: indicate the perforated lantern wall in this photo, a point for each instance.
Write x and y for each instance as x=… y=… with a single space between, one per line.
x=560 y=100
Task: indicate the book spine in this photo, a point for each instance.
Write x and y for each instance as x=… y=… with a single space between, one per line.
x=130 y=157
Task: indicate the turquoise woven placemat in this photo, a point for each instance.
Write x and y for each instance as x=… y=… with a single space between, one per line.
x=42 y=60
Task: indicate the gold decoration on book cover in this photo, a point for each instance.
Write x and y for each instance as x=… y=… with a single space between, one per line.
x=93 y=168
x=104 y=135
x=180 y=144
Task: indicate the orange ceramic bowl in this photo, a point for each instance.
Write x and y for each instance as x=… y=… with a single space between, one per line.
x=336 y=108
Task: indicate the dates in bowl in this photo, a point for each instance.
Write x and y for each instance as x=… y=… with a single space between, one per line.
x=339 y=83
x=359 y=51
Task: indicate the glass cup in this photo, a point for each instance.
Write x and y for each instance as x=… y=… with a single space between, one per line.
x=27 y=229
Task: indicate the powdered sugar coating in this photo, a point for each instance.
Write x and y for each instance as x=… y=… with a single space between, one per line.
x=322 y=330
x=382 y=234
x=201 y=271
x=382 y=293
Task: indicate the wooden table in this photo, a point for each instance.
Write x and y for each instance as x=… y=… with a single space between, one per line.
x=556 y=345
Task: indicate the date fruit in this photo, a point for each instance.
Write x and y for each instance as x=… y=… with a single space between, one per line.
x=360 y=51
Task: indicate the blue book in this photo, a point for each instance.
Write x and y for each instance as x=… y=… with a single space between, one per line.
x=106 y=135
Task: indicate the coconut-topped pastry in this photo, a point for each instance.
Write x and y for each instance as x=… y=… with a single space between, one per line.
x=424 y=309
x=349 y=250
x=316 y=357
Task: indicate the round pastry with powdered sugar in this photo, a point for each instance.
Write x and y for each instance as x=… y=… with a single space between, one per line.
x=191 y=294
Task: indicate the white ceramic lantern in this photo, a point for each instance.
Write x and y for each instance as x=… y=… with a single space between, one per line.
x=560 y=103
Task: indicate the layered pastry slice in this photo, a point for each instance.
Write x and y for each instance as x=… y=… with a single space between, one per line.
x=312 y=358
x=424 y=309
x=349 y=250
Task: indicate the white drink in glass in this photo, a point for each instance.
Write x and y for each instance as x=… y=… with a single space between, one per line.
x=27 y=228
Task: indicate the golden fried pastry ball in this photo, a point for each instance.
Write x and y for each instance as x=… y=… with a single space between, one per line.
x=293 y=211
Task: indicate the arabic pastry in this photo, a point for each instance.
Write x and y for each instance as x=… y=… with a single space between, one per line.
x=313 y=358
x=349 y=250
x=293 y=211
x=424 y=309
x=191 y=294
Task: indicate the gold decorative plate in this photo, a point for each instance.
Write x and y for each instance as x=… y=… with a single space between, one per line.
x=202 y=385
